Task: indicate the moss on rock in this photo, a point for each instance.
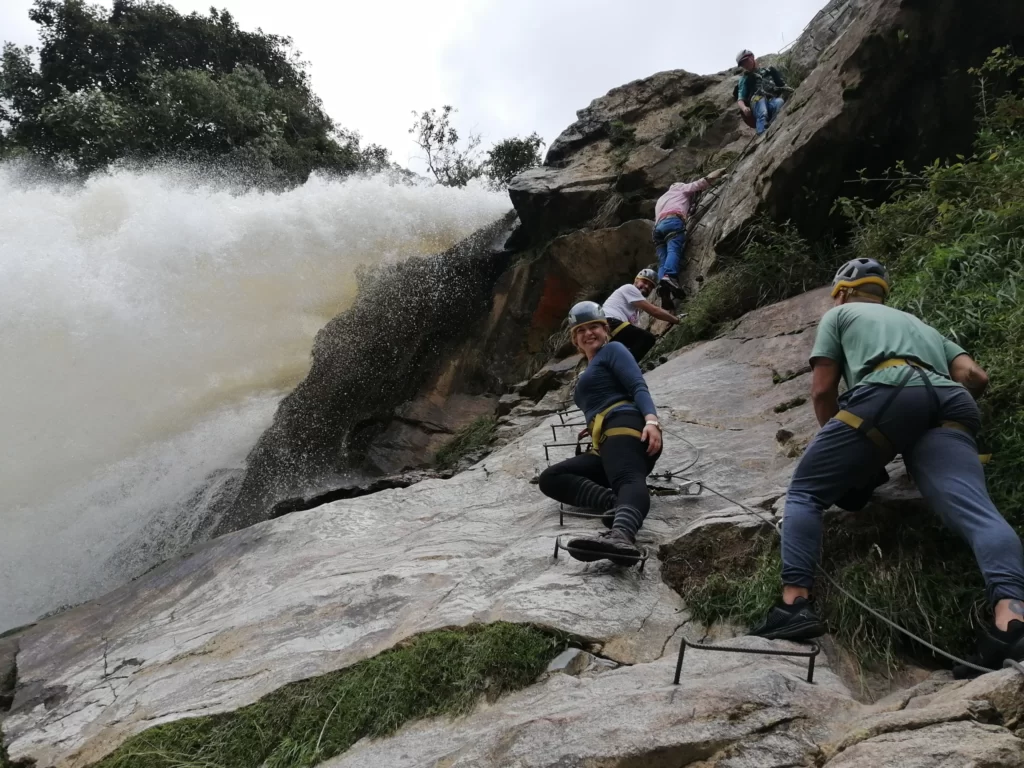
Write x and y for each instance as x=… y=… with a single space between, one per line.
x=445 y=672
x=474 y=437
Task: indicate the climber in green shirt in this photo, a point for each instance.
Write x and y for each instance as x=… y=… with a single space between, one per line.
x=910 y=391
x=758 y=93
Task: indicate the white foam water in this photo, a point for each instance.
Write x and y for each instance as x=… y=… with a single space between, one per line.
x=149 y=324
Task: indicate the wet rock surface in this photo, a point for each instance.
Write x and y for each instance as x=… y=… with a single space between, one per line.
x=317 y=590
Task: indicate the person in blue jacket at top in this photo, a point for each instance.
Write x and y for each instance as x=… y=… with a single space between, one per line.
x=626 y=435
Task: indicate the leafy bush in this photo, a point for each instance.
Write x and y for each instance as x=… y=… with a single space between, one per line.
x=774 y=264
x=305 y=723
x=473 y=437
x=510 y=157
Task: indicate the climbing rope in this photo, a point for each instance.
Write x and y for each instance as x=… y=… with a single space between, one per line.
x=671 y=474
x=881 y=617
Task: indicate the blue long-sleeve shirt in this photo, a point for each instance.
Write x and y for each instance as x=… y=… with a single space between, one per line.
x=612 y=375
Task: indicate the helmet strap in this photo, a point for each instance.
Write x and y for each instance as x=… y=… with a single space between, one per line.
x=870 y=298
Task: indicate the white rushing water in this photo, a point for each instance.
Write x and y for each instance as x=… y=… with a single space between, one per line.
x=149 y=324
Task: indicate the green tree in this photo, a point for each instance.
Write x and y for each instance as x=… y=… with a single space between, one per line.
x=510 y=157
x=141 y=81
x=450 y=165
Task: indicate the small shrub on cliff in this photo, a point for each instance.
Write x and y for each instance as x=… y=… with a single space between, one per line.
x=473 y=437
x=302 y=724
x=774 y=264
x=510 y=157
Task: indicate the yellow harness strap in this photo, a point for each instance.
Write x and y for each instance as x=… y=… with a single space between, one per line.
x=598 y=433
x=619 y=328
x=854 y=421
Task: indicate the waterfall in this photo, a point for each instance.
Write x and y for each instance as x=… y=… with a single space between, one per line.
x=150 y=321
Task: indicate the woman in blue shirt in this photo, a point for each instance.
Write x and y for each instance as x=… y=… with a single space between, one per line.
x=623 y=425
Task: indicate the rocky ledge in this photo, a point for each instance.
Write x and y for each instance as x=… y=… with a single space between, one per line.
x=319 y=590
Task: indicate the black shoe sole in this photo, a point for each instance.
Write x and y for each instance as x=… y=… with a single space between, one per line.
x=805 y=630
x=589 y=550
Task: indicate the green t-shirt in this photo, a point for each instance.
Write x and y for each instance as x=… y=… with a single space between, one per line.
x=860 y=335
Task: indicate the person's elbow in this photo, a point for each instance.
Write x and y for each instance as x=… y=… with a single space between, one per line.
x=823 y=394
x=824 y=390
x=978 y=380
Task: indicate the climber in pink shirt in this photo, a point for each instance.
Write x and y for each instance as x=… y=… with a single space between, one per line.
x=671 y=213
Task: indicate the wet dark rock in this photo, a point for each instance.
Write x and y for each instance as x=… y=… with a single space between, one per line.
x=403 y=480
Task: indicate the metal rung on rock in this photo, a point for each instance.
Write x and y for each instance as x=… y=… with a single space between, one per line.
x=644 y=553
x=584 y=447
x=554 y=435
x=562 y=512
x=810 y=655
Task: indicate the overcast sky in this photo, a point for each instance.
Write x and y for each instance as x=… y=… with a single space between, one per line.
x=509 y=66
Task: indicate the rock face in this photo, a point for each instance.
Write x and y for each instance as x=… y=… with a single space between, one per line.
x=366 y=362
x=883 y=74
x=889 y=82
x=320 y=589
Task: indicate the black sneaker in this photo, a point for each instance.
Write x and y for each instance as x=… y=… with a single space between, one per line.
x=994 y=647
x=791 y=622
x=667 y=302
x=673 y=287
x=614 y=545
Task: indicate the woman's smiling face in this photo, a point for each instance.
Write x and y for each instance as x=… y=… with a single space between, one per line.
x=591 y=337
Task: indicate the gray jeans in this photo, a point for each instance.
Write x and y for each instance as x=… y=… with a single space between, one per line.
x=943 y=462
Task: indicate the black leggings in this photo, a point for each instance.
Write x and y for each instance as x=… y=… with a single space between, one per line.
x=623 y=467
x=638 y=341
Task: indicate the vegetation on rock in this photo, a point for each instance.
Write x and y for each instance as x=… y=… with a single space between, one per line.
x=140 y=81
x=774 y=264
x=455 y=166
x=302 y=724
x=952 y=236
x=473 y=437
x=510 y=157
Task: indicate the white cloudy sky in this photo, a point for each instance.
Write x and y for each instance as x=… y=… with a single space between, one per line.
x=509 y=66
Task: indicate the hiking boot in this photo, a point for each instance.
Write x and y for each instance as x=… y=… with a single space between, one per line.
x=791 y=622
x=673 y=287
x=614 y=545
x=994 y=647
x=667 y=302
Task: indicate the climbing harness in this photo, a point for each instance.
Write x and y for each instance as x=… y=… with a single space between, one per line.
x=689 y=488
x=619 y=327
x=598 y=434
x=640 y=559
x=810 y=655
x=1007 y=664
x=867 y=426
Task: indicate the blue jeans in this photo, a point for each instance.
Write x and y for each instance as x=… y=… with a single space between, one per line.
x=765 y=111
x=670 y=243
x=943 y=462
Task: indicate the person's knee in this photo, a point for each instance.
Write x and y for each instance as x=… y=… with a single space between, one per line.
x=802 y=500
x=549 y=480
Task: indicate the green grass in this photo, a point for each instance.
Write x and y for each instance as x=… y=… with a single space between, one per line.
x=439 y=673
x=952 y=237
x=774 y=263
x=479 y=434
x=912 y=571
